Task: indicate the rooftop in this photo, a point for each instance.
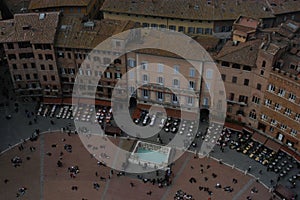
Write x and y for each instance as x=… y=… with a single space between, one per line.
x=36 y=4
x=283 y=6
x=33 y=27
x=191 y=9
x=244 y=53
x=73 y=33
x=247 y=22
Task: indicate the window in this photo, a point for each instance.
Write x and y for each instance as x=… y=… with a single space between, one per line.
x=283 y=127
x=273 y=122
x=28 y=76
x=40 y=56
x=33 y=66
x=231 y=96
x=174 y=98
x=176 y=69
x=293 y=132
x=61 y=55
x=130 y=62
x=234 y=79
x=252 y=114
x=159 y=96
x=243 y=99
x=219 y=105
x=247 y=68
x=176 y=83
x=292 y=97
x=264 y=117
x=162 y=26
x=160 y=80
x=263 y=64
x=271 y=129
x=236 y=66
x=181 y=29
x=288 y=112
x=144 y=65
x=108 y=75
x=229 y=108
x=24 y=44
x=191 y=84
x=25 y=66
x=49 y=57
x=53 y=78
x=107 y=61
x=45 y=78
x=160 y=68
x=268 y=102
x=191 y=30
x=12 y=56
x=255 y=99
x=258 y=86
x=262 y=72
x=145 y=78
x=35 y=76
x=208 y=86
x=190 y=100
x=223 y=77
x=14 y=66
x=131 y=75
x=192 y=72
x=18 y=77
x=277 y=107
x=205 y=101
x=297 y=117
x=199 y=30
x=10 y=45
x=281 y=92
x=246 y=82
x=50 y=67
x=146 y=93
x=118 y=75
x=145 y=25
x=209 y=74
x=42 y=67
x=26 y=55
x=172 y=27
x=225 y=64
x=208 y=31
x=271 y=88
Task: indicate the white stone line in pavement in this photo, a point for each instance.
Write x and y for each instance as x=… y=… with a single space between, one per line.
x=108 y=181
x=42 y=159
x=243 y=190
x=176 y=176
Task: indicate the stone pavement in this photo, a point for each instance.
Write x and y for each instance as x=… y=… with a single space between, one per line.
x=57 y=183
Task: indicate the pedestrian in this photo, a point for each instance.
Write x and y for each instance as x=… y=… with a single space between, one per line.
x=249 y=168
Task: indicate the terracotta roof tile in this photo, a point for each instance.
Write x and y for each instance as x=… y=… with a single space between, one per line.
x=36 y=4
x=73 y=34
x=29 y=27
x=190 y=9
x=243 y=53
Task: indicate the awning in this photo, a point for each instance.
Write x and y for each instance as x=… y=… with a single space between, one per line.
x=284 y=192
x=290 y=152
x=67 y=101
x=273 y=145
x=52 y=100
x=259 y=138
